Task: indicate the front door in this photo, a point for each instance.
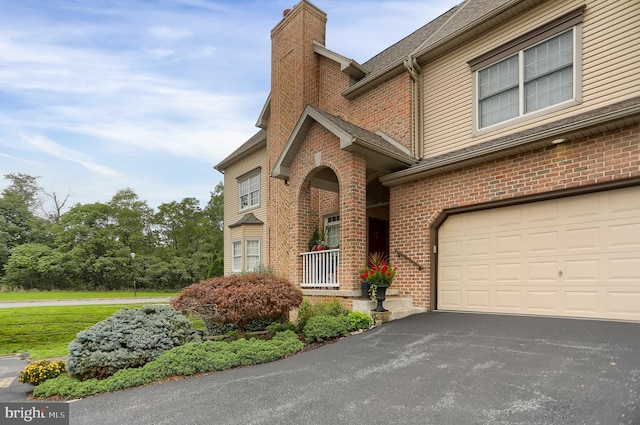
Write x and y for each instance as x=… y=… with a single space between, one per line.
x=378 y=236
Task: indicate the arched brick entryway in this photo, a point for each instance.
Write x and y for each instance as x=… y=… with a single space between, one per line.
x=329 y=192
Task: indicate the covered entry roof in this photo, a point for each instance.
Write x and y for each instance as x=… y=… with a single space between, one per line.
x=380 y=151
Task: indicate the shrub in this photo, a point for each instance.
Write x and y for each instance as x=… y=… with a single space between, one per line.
x=239 y=299
x=37 y=372
x=322 y=327
x=359 y=320
x=185 y=360
x=69 y=387
x=274 y=328
x=254 y=351
x=214 y=328
x=193 y=358
x=259 y=325
x=288 y=342
x=129 y=338
x=329 y=307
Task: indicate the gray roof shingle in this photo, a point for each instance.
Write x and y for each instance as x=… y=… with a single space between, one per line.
x=404 y=47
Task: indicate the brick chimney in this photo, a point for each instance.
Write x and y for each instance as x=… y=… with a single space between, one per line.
x=294 y=68
x=294 y=84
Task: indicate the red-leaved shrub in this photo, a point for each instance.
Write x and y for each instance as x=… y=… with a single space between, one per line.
x=239 y=298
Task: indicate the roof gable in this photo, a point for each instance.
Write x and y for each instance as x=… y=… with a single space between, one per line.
x=246 y=220
x=348 y=66
x=380 y=152
x=256 y=141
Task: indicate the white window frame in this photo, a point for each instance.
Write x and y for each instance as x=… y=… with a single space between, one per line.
x=571 y=21
x=236 y=254
x=249 y=186
x=249 y=256
x=332 y=221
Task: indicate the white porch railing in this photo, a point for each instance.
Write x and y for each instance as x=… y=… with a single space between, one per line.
x=320 y=269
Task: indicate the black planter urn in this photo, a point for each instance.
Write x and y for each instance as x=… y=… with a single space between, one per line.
x=381 y=295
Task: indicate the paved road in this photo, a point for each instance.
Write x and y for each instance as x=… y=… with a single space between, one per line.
x=436 y=368
x=10 y=388
x=88 y=301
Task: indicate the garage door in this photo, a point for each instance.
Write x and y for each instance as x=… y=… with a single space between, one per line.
x=577 y=256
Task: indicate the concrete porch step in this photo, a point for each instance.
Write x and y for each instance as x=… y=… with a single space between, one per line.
x=398 y=307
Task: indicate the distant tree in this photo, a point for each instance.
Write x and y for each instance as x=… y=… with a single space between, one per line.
x=96 y=258
x=182 y=226
x=58 y=205
x=26 y=188
x=18 y=226
x=215 y=213
x=17 y=219
x=4 y=244
x=216 y=268
x=90 y=245
x=132 y=220
x=34 y=266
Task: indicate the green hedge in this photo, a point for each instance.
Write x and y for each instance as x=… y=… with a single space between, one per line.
x=325 y=326
x=185 y=360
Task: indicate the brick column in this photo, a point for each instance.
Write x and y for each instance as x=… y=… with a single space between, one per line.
x=353 y=221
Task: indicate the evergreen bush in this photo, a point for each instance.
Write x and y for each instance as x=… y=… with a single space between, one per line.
x=185 y=360
x=276 y=327
x=214 y=328
x=129 y=338
x=327 y=307
x=321 y=327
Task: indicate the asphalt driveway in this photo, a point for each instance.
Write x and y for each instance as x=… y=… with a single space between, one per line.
x=436 y=368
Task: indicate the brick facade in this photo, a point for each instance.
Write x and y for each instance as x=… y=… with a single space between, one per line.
x=417 y=205
x=301 y=77
x=294 y=84
x=351 y=173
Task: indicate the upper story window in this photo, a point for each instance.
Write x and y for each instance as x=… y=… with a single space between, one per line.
x=530 y=80
x=535 y=74
x=249 y=190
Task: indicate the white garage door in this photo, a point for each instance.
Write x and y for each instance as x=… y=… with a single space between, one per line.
x=577 y=256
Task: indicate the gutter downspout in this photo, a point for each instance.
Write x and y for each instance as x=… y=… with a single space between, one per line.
x=415 y=72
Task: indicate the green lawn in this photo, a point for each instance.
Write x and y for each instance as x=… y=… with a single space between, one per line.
x=45 y=332
x=71 y=295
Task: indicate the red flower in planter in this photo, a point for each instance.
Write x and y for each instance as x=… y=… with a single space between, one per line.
x=379 y=272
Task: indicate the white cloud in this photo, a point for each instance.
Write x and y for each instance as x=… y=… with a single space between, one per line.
x=54 y=149
x=100 y=88
x=15 y=158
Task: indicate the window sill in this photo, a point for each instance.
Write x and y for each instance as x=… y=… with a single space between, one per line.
x=526 y=118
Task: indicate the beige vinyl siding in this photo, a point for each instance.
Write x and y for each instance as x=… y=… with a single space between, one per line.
x=611 y=37
x=231 y=207
x=610 y=57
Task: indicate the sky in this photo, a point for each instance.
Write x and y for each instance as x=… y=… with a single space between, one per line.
x=102 y=95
